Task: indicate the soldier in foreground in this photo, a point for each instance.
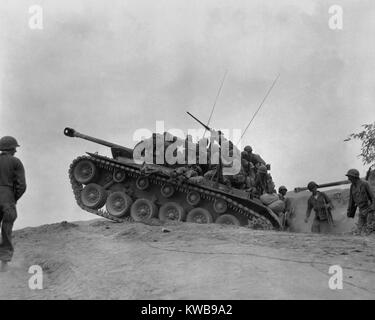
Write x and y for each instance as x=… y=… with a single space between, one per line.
x=322 y=206
x=361 y=196
x=12 y=187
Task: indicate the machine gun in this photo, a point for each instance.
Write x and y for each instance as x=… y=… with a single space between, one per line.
x=218 y=176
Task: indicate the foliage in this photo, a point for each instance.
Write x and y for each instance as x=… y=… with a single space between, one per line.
x=367 y=137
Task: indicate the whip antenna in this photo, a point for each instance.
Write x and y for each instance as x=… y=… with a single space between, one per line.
x=213 y=107
x=260 y=106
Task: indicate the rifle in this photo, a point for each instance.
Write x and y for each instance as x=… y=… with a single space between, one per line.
x=328 y=213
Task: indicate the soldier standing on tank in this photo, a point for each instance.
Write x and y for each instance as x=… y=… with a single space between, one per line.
x=12 y=187
x=361 y=196
x=322 y=206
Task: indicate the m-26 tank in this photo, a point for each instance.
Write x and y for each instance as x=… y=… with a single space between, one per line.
x=120 y=189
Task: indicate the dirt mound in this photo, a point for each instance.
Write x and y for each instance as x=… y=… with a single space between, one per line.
x=105 y=260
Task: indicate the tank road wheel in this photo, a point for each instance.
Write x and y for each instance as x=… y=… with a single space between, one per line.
x=193 y=198
x=143 y=209
x=220 y=205
x=228 y=219
x=84 y=171
x=93 y=196
x=167 y=190
x=142 y=183
x=119 y=176
x=171 y=211
x=118 y=203
x=199 y=215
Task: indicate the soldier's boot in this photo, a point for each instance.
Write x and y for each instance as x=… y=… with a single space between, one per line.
x=4 y=266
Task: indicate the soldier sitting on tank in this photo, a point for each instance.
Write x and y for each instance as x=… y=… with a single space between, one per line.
x=213 y=158
x=203 y=155
x=253 y=158
x=238 y=180
x=263 y=181
x=186 y=172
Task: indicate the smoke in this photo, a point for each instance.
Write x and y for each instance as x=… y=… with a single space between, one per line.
x=339 y=198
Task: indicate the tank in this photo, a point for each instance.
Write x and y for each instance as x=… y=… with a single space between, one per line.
x=370 y=178
x=120 y=189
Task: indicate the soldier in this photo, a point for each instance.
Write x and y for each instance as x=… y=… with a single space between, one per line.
x=263 y=181
x=203 y=154
x=322 y=206
x=361 y=196
x=12 y=187
x=282 y=192
x=288 y=211
x=255 y=159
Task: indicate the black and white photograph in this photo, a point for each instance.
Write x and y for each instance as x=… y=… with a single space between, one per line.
x=199 y=152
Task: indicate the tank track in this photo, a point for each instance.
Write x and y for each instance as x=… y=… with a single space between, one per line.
x=255 y=219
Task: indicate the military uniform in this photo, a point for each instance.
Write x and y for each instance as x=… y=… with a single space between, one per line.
x=322 y=205
x=287 y=214
x=255 y=159
x=362 y=197
x=12 y=187
x=263 y=181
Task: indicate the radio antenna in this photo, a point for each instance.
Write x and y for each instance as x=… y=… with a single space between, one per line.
x=260 y=106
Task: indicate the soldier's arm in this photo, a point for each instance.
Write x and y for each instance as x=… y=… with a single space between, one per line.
x=370 y=194
x=259 y=158
x=351 y=205
x=20 y=180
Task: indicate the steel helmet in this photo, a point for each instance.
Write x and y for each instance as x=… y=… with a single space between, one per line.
x=353 y=173
x=311 y=185
x=262 y=169
x=248 y=149
x=282 y=188
x=8 y=143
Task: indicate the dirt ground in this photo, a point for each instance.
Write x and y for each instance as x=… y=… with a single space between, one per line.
x=100 y=259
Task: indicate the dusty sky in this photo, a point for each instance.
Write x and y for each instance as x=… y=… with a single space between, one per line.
x=108 y=68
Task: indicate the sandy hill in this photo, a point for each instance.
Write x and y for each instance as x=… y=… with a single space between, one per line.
x=104 y=260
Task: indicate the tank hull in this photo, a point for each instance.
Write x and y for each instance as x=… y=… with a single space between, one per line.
x=120 y=190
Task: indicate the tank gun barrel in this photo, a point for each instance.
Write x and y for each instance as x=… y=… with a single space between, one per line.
x=69 y=132
x=324 y=185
